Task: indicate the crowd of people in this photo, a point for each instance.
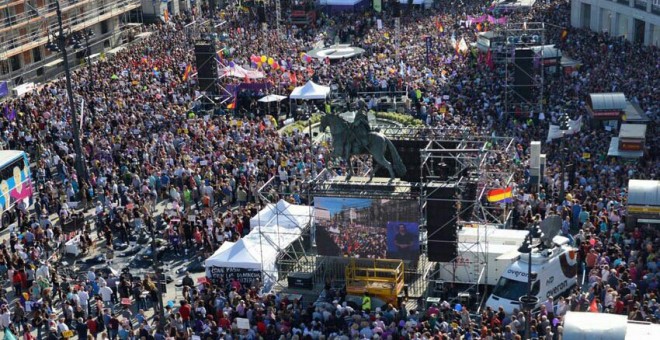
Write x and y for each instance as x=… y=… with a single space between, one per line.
x=142 y=144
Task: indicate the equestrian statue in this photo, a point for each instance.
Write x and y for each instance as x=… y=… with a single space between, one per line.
x=356 y=138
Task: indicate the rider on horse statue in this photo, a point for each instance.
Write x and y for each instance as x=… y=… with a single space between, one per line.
x=360 y=127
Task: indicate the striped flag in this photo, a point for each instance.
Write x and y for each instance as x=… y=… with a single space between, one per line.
x=186 y=73
x=499 y=195
x=232 y=105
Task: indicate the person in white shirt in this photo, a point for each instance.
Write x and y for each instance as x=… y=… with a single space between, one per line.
x=106 y=295
x=83 y=296
x=5 y=317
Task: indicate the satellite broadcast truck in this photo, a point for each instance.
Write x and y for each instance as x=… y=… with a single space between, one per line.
x=554 y=272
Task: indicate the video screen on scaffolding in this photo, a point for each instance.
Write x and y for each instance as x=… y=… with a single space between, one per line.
x=367 y=228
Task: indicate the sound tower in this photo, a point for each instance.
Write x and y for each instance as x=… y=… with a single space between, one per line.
x=523 y=73
x=409 y=152
x=207 y=67
x=396 y=8
x=441 y=223
x=468 y=198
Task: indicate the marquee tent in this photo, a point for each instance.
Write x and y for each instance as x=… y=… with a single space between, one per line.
x=283 y=214
x=310 y=90
x=273 y=229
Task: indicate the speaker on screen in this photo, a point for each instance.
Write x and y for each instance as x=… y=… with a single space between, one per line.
x=207 y=68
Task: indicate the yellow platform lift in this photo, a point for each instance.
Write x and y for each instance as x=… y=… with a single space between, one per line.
x=379 y=278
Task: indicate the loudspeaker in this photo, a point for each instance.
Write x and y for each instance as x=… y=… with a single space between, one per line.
x=396 y=9
x=409 y=152
x=300 y=280
x=468 y=197
x=523 y=74
x=261 y=13
x=441 y=223
x=207 y=67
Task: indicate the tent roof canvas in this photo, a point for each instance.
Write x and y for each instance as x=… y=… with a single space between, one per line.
x=242 y=254
x=282 y=214
x=310 y=90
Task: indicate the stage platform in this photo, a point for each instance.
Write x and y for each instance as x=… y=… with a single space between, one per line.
x=361 y=186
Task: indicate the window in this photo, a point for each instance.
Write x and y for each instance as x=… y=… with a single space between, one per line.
x=510 y=289
x=8 y=171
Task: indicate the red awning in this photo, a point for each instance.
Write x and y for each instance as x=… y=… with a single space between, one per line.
x=606 y=114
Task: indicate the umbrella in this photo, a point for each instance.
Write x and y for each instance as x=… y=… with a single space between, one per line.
x=272 y=98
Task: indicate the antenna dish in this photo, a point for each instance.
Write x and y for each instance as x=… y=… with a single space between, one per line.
x=551 y=226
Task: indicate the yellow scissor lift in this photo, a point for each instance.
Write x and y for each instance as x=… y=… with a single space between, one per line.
x=379 y=278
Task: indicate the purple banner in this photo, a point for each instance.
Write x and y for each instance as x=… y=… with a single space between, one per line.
x=4 y=89
x=491 y=19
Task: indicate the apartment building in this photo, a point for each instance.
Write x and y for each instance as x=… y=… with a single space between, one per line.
x=28 y=27
x=636 y=20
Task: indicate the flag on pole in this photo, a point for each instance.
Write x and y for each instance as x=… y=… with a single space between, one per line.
x=462 y=46
x=489 y=60
x=186 y=73
x=593 y=307
x=499 y=195
x=574 y=126
x=232 y=105
x=439 y=26
x=166 y=15
x=564 y=34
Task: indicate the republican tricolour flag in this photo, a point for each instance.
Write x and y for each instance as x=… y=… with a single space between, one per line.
x=186 y=73
x=500 y=195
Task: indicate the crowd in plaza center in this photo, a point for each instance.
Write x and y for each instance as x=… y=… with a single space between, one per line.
x=143 y=145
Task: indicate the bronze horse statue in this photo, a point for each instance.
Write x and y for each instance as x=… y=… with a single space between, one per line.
x=347 y=142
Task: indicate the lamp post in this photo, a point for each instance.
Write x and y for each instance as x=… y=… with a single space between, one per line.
x=157 y=269
x=529 y=301
x=563 y=127
x=61 y=42
x=86 y=34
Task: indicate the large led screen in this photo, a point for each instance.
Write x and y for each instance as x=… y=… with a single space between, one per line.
x=367 y=228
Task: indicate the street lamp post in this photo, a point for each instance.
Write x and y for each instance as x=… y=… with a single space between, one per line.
x=79 y=162
x=528 y=301
x=563 y=127
x=157 y=269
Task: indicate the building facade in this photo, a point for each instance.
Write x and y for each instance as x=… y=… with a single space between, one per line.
x=27 y=27
x=636 y=20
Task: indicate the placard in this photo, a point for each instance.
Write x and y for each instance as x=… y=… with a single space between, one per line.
x=243 y=275
x=243 y=323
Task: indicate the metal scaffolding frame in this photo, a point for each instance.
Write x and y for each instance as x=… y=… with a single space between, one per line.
x=295 y=256
x=472 y=159
x=478 y=159
x=523 y=35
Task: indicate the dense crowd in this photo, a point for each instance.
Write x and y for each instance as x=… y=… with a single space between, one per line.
x=143 y=144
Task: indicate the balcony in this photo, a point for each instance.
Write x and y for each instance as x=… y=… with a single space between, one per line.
x=15 y=44
x=641 y=4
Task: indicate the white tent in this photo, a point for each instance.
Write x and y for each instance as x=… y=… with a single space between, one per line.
x=310 y=90
x=241 y=254
x=283 y=214
x=271 y=98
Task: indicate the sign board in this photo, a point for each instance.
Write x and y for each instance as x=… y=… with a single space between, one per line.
x=243 y=323
x=243 y=275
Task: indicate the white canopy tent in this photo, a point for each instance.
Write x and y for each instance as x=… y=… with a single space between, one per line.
x=273 y=229
x=310 y=90
x=271 y=98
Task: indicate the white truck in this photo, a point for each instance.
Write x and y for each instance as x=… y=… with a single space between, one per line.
x=485 y=253
x=554 y=272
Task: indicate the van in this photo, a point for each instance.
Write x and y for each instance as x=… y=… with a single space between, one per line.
x=554 y=272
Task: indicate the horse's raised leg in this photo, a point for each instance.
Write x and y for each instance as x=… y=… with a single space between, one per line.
x=349 y=168
x=380 y=159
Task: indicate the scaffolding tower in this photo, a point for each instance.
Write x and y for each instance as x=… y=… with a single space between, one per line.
x=523 y=69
